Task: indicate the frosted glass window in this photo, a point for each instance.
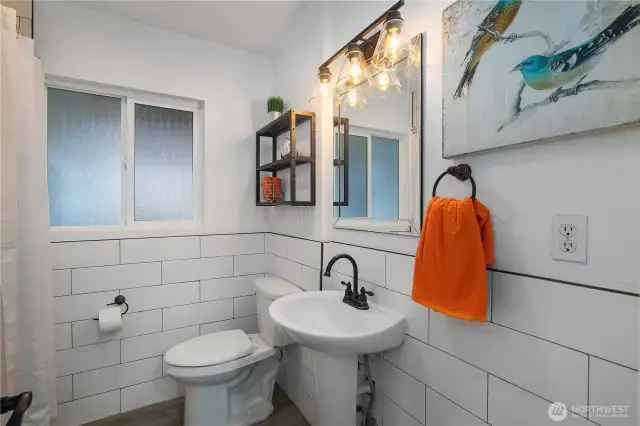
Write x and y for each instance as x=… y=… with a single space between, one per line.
x=163 y=170
x=84 y=158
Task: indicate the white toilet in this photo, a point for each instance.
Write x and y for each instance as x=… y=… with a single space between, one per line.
x=229 y=375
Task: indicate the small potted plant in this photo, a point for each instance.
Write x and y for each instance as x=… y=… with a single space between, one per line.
x=275 y=107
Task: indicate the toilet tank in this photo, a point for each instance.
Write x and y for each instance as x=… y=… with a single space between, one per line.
x=269 y=289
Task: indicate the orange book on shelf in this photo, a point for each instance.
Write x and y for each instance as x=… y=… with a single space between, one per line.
x=271 y=188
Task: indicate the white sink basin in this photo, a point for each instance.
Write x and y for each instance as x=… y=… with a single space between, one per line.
x=338 y=333
x=319 y=320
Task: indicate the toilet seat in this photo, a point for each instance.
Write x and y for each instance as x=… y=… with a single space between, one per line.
x=258 y=351
x=210 y=349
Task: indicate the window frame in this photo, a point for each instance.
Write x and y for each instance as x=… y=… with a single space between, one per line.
x=127 y=225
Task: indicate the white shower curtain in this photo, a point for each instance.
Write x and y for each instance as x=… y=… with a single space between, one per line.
x=26 y=292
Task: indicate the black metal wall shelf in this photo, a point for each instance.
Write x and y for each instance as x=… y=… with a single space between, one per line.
x=287 y=122
x=284 y=163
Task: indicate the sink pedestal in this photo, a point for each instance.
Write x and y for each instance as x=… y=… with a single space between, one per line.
x=336 y=379
x=338 y=333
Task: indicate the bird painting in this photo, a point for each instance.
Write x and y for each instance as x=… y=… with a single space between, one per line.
x=542 y=72
x=537 y=70
x=490 y=30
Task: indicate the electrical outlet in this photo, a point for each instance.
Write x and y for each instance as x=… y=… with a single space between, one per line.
x=569 y=238
x=568 y=230
x=568 y=246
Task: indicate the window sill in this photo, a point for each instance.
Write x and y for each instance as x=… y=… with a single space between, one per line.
x=373 y=225
x=149 y=230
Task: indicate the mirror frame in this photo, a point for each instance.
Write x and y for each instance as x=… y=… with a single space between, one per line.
x=413 y=225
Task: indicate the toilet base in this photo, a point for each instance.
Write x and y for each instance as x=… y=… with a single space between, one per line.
x=243 y=404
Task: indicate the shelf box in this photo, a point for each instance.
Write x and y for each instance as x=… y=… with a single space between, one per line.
x=282 y=124
x=287 y=122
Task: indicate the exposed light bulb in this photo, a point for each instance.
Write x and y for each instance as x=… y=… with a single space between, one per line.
x=352 y=98
x=356 y=71
x=384 y=82
x=324 y=89
x=393 y=44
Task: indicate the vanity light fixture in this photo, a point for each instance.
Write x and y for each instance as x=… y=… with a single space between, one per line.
x=323 y=91
x=391 y=47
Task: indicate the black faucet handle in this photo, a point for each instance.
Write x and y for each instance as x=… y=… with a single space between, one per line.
x=364 y=292
x=347 y=285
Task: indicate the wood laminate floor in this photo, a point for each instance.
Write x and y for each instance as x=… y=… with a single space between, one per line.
x=171 y=413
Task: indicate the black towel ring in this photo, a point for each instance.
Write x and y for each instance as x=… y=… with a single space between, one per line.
x=461 y=172
x=119 y=300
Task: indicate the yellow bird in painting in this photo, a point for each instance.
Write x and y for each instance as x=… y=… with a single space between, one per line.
x=491 y=29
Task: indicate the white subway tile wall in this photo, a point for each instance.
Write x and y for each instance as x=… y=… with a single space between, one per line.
x=544 y=342
x=176 y=287
x=297 y=261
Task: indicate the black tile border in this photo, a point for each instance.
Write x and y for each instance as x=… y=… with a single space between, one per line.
x=571 y=283
x=537 y=277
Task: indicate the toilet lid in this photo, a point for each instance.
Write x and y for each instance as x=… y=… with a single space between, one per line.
x=210 y=349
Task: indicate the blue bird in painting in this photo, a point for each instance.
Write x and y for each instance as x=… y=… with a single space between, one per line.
x=549 y=72
x=494 y=24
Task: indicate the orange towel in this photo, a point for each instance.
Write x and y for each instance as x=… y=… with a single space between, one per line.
x=456 y=244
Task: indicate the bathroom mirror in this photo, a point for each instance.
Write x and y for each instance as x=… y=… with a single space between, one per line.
x=378 y=145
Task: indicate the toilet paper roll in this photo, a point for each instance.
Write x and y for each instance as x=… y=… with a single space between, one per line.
x=110 y=319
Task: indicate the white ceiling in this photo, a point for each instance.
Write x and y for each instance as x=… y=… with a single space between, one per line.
x=262 y=27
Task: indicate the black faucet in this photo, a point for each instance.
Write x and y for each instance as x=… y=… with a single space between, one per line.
x=351 y=297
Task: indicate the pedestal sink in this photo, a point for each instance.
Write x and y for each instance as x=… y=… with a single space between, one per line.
x=338 y=332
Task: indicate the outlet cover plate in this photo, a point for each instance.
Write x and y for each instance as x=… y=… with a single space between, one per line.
x=569 y=229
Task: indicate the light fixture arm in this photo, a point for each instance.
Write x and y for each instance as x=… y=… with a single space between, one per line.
x=362 y=35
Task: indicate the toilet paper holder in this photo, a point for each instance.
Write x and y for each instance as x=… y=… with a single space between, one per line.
x=119 y=300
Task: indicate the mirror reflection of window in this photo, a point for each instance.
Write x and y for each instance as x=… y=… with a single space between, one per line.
x=374 y=178
x=358 y=178
x=385 y=177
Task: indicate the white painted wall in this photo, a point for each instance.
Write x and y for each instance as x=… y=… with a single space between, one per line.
x=83 y=44
x=524 y=186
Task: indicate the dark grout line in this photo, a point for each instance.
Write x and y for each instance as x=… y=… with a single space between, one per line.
x=562 y=345
x=405 y=411
x=558 y=281
x=369 y=248
x=588 y=383
x=494 y=375
x=298 y=238
x=541 y=397
x=321 y=263
x=571 y=283
x=487 y=397
x=154 y=237
x=554 y=280
x=293 y=261
x=424 y=384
